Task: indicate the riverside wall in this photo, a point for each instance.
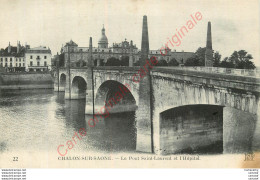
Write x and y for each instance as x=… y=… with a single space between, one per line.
x=26 y=81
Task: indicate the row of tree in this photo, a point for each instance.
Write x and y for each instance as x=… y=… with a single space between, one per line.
x=239 y=60
x=125 y=62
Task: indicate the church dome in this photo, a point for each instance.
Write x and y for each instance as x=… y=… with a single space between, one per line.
x=103 y=41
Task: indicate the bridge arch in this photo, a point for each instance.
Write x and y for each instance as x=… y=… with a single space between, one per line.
x=192 y=129
x=116 y=104
x=205 y=129
x=62 y=84
x=78 y=88
x=117 y=97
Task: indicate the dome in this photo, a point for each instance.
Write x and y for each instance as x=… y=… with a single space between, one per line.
x=103 y=42
x=103 y=39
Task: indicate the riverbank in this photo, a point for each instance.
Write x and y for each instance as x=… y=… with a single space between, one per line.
x=26 y=80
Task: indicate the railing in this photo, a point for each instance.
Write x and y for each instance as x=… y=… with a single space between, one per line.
x=231 y=71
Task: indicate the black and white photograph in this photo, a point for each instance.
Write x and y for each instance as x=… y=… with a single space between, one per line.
x=129 y=84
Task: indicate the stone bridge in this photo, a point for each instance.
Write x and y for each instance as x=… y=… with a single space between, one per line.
x=179 y=110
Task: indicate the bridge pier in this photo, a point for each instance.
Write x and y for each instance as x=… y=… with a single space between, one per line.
x=56 y=81
x=256 y=137
x=89 y=109
x=67 y=89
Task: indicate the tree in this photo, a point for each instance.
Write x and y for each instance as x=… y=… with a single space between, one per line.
x=198 y=59
x=192 y=61
x=242 y=60
x=125 y=61
x=162 y=62
x=113 y=62
x=216 y=59
x=226 y=63
x=173 y=62
x=200 y=53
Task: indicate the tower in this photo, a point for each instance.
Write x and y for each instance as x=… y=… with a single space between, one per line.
x=90 y=60
x=209 y=51
x=131 y=54
x=143 y=114
x=103 y=42
x=145 y=42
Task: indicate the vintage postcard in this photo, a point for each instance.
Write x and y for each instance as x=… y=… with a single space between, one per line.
x=129 y=84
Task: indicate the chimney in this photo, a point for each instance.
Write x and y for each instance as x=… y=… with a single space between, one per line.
x=9 y=48
x=209 y=51
x=18 y=47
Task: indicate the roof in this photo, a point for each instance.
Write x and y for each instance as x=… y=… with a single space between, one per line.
x=103 y=39
x=71 y=43
x=4 y=52
x=40 y=49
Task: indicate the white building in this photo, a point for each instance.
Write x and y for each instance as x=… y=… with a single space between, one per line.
x=38 y=59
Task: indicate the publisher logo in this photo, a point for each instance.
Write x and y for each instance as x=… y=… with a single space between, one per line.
x=249 y=156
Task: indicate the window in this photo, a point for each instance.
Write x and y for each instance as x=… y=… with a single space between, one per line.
x=11 y=59
x=1 y=64
x=1 y=59
x=23 y=59
x=5 y=64
x=45 y=57
x=16 y=59
x=31 y=63
x=16 y=64
x=23 y=65
x=45 y=63
x=11 y=65
x=19 y=64
x=31 y=57
x=38 y=63
x=19 y=59
x=5 y=59
x=38 y=57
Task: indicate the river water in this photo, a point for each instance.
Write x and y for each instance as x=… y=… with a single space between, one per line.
x=41 y=120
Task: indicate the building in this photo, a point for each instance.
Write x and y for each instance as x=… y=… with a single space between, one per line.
x=38 y=59
x=181 y=57
x=12 y=57
x=79 y=55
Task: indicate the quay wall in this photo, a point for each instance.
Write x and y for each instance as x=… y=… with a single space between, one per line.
x=26 y=81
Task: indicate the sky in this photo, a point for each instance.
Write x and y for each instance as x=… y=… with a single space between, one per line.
x=51 y=23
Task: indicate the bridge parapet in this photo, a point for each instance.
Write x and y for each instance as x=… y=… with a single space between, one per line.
x=118 y=68
x=242 y=83
x=231 y=71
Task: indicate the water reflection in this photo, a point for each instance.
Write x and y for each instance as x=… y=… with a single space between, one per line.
x=113 y=134
x=40 y=120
